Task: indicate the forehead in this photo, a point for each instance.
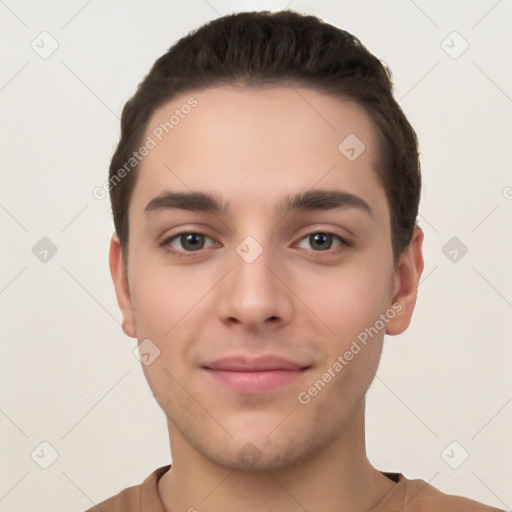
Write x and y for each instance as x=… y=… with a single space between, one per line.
x=251 y=144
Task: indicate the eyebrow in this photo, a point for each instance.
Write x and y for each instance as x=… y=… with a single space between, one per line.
x=309 y=200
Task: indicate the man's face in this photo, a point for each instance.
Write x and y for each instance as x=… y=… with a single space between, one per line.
x=255 y=281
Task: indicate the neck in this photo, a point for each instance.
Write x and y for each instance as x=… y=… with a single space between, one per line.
x=338 y=478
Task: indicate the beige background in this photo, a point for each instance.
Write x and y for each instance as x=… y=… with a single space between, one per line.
x=68 y=374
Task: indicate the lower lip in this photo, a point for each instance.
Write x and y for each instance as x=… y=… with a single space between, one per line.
x=254 y=382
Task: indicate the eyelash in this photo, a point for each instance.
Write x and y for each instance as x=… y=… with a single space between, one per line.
x=168 y=248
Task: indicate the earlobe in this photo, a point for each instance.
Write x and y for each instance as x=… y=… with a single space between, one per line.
x=121 y=285
x=408 y=274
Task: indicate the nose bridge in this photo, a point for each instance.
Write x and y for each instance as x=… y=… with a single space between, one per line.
x=252 y=294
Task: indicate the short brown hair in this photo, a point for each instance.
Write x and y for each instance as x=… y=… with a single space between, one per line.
x=260 y=48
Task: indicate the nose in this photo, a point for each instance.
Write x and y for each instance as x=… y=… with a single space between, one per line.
x=254 y=293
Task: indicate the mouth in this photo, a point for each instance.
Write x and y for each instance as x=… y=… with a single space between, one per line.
x=254 y=375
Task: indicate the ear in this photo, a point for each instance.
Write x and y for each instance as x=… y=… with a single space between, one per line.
x=407 y=278
x=120 y=278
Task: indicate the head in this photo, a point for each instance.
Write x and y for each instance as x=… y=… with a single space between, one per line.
x=267 y=121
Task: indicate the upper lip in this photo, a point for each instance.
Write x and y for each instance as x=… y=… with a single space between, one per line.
x=253 y=364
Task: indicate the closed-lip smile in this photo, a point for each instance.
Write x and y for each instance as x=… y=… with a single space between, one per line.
x=245 y=374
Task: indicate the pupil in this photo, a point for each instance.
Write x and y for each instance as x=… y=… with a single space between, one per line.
x=189 y=239
x=321 y=235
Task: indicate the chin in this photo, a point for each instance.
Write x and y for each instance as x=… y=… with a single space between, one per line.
x=249 y=458
x=258 y=452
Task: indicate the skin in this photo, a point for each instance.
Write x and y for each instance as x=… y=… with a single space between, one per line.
x=252 y=147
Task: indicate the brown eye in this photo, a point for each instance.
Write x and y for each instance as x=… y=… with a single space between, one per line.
x=323 y=241
x=183 y=243
x=191 y=241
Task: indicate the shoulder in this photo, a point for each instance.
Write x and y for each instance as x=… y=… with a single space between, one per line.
x=423 y=497
x=128 y=500
x=137 y=498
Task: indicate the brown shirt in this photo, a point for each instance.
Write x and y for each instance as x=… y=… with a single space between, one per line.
x=406 y=496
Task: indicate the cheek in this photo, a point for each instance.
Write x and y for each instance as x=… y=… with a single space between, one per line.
x=155 y=308
x=347 y=301
x=165 y=305
x=164 y=297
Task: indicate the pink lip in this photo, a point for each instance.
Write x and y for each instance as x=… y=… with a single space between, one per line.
x=254 y=375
